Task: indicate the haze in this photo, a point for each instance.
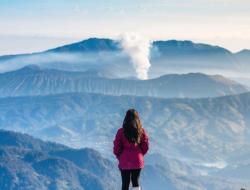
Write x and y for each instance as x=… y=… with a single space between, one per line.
x=28 y=26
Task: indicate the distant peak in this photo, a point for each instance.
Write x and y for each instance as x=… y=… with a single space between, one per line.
x=187 y=45
x=173 y=41
x=32 y=67
x=192 y=74
x=97 y=39
x=28 y=69
x=195 y=75
x=89 y=45
x=244 y=51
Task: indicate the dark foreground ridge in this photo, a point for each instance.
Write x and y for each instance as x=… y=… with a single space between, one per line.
x=29 y=163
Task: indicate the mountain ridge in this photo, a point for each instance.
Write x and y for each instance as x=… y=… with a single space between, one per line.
x=114 y=45
x=170 y=56
x=33 y=80
x=89 y=45
x=41 y=165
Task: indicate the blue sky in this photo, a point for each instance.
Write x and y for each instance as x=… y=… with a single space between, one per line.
x=34 y=25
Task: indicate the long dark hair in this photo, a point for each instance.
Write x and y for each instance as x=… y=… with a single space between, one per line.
x=132 y=127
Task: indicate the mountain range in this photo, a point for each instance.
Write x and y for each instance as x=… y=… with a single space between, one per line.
x=197 y=138
x=77 y=95
x=33 y=80
x=218 y=126
x=171 y=56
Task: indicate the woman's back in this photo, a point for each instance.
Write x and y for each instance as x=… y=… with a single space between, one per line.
x=130 y=155
x=130 y=146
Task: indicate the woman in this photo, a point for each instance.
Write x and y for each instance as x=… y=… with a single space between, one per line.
x=130 y=146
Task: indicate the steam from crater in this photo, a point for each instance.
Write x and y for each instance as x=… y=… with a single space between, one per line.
x=138 y=49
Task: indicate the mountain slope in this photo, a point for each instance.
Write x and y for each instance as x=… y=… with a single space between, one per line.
x=174 y=48
x=89 y=45
x=32 y=80
x=30 y=163
x=243 y=58
x=243 y=55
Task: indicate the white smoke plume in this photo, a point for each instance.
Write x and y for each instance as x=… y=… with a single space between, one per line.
x=138 y=49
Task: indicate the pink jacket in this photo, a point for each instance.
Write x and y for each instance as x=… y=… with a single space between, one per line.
x=130 y=155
